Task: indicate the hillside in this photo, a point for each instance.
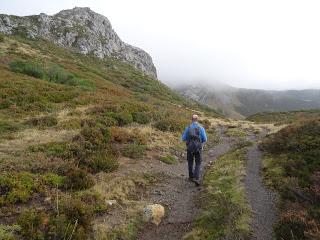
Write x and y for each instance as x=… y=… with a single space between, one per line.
x=292 y=167
x=284 y=117
x=73 y=130
x=241 y=103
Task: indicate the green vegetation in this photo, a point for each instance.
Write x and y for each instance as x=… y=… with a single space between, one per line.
x=225 y=213
x=134 y=151
x=1 y=38
x=8 y=232
x=54 y=73
x=292 y=167
x=42 y=122
x=65 y=119
x=284 y=117
x=168 y=159
x=236 y=132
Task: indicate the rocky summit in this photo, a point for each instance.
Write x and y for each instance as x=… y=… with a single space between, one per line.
x=82 y=29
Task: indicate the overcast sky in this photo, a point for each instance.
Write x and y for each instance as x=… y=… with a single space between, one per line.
x=253 y=44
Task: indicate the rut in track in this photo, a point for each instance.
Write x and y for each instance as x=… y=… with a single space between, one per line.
x=261 y=199
x=177 y=194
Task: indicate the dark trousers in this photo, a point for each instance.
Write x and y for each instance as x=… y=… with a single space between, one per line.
x=197 y=158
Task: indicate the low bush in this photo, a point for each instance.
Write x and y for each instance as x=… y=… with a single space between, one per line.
x=53 y=180
x=141 y=117
x=77 y=211
x=77 y=179
x=33 y=224
x=124 y=118
x=45 y=121
x=1 y=37
x=9 y=232
x=54 y=149
x=105 y=161
x=17 y=187
x=121 y=135
x=54 y=74
x=31 y=68
x=292 y=167
x=70 y=124
x=59 y=75
x=134 y=151
x=171 y=125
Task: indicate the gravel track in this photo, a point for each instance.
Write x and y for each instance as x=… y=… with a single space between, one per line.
x=261 y=199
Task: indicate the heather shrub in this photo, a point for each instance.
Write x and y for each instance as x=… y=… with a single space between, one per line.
x=77 y=179
x=171 y=124
x=103 y=161
x=134 y=151
x=124 y=118
x=141 y=117
x=32 y=224
x=31 y=68
x=45 y=121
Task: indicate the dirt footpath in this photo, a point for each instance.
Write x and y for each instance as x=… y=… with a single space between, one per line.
x=177 y=194
x=261 y=199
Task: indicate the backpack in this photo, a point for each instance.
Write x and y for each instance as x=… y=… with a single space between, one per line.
x=194 y=144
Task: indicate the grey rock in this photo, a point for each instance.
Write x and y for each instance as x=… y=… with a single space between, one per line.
x=82 y=29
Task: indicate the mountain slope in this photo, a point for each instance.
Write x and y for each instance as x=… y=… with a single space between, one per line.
x=239 y=103
x=82 y=29
x=74 y=129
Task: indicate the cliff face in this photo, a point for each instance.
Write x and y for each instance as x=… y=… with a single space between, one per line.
x=82 y=29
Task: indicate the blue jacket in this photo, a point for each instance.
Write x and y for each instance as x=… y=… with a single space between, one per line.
x=203 y=136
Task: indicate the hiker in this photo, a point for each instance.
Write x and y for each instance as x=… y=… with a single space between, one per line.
x=195 y=136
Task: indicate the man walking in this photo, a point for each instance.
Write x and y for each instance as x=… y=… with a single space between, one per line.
x=195 y=136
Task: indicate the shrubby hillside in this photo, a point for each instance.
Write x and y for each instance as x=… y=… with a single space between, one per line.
x=292 y=167
x=71 y=128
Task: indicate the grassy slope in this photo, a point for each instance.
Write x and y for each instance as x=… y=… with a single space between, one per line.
x=292 y=167
x=56 y=138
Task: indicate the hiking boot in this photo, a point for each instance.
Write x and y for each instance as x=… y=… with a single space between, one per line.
x=197 y=182
x=191 y=179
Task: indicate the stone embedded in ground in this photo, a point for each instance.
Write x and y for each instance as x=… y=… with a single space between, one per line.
x=111 y=202
x=154 y=213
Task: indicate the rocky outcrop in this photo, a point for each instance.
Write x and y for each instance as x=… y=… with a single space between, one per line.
x=80 y=28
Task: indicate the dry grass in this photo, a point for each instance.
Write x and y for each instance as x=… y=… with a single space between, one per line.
x=34 y=136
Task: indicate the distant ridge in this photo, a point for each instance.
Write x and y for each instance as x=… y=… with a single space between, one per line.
x=240 y=103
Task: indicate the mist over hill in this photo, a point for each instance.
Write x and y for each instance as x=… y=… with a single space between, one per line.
x=240 y=102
